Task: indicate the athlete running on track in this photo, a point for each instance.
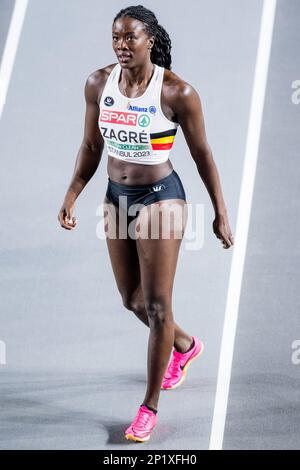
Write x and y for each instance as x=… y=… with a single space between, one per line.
x=135 y=106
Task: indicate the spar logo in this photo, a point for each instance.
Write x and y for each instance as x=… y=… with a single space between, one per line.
x=118 y=117
x=144 y=120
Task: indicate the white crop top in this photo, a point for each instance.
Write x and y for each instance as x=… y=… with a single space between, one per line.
x=135 y=129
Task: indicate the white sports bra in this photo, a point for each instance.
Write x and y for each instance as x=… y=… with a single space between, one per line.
x=135 y=129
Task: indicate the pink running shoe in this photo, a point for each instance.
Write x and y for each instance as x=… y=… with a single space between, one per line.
x=176 y=370
x=142 y=425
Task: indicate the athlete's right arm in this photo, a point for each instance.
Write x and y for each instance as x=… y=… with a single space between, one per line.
x=89 y=154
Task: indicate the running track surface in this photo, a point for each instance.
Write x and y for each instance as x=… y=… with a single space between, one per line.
x=75 y=369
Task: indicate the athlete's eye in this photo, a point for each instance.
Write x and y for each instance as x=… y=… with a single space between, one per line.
x=129 y=37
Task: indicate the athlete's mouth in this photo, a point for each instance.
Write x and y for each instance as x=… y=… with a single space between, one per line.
x=124 y=56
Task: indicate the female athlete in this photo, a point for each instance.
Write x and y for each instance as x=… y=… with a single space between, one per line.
x=135 y=106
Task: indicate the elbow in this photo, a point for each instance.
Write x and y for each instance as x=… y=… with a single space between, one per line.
x=202 y=156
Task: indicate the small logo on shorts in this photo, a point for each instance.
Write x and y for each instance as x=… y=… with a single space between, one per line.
x=109 y=101
x=157 y=188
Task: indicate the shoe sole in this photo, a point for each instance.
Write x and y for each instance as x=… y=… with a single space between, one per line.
x=185 y=369
x=131 y=437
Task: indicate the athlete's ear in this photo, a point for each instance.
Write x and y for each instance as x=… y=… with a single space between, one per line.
x=150 y=42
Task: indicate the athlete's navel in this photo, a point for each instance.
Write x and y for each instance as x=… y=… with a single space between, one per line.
x=124 y=177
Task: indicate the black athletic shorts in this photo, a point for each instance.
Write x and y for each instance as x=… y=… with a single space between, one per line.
x=169 y=187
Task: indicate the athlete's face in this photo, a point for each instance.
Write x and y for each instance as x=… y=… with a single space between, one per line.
x=130 y=42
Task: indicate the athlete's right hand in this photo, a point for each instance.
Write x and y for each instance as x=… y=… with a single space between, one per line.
x=65 y=217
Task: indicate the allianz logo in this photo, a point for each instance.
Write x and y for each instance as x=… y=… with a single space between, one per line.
x=137 y=108
x=151 y=109
x=158 y=187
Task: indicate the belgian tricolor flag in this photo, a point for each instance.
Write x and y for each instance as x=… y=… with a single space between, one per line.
x=163 y=140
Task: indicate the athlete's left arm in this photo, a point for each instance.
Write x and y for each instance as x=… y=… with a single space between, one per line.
x=188 y=108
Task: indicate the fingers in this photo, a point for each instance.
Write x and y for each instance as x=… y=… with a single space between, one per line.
x=228 y=241
x=223 y=232
x=71 y=222
x=66 y=221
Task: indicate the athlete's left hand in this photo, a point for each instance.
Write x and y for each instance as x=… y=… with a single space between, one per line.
x=222 y=230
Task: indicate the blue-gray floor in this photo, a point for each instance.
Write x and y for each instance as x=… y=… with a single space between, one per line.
x=264 y=403
x=6 y=9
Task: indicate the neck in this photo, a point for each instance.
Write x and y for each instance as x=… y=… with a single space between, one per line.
x=137 y=76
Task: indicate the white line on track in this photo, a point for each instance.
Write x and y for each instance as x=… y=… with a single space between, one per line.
x=243 y=217
x=10 y=49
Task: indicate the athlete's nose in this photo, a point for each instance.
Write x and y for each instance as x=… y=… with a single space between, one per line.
x=121 y=45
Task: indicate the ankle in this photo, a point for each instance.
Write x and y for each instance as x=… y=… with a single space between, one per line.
x=185 y=348
x=150 y=408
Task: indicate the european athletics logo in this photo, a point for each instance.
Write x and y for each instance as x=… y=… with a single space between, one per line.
x=109 y=101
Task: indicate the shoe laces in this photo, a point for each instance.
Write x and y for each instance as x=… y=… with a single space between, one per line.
x=174 y=365
x=142 y=417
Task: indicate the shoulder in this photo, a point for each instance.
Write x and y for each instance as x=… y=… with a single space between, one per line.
x=96 y=81
x=177 y=92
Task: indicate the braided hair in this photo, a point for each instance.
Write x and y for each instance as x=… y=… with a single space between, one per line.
x=161 y=50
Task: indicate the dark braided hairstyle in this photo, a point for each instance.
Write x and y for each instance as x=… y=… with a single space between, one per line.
x=161 y=50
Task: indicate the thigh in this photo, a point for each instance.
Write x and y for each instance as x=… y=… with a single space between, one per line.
x=158 y=256
x=122 y=252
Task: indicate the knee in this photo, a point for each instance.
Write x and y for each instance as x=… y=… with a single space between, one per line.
x=158 y=310
x=131 y=303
